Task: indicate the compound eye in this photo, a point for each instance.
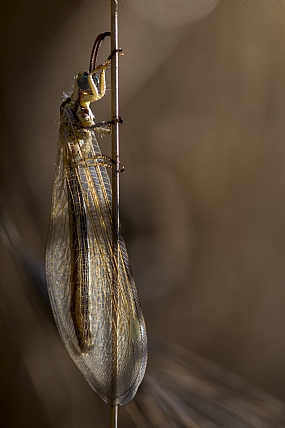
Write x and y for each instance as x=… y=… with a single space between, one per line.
x=83 y=83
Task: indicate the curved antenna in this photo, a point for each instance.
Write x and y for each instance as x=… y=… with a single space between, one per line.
x=95 y=50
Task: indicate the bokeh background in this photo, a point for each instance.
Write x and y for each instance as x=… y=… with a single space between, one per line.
x=202 y=201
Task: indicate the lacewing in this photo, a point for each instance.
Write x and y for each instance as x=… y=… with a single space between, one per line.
x=80 y=261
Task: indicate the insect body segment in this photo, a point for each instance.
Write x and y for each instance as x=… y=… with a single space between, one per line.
x=80 y=261
x=79 y=301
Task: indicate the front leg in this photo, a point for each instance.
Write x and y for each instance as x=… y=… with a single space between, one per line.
x=102 y=80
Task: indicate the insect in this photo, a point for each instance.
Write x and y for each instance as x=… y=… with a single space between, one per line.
x=88 y=283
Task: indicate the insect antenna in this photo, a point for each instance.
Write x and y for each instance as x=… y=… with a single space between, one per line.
x=95 y=50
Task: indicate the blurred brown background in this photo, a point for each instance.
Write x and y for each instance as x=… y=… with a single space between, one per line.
x=202 y=200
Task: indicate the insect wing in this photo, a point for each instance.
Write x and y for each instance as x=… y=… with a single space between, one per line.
x=80 y=265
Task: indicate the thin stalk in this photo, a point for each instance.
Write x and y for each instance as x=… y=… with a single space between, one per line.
x=115 y=201
x=114 y=417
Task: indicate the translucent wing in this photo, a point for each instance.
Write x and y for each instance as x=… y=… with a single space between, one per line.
x=80 y=265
